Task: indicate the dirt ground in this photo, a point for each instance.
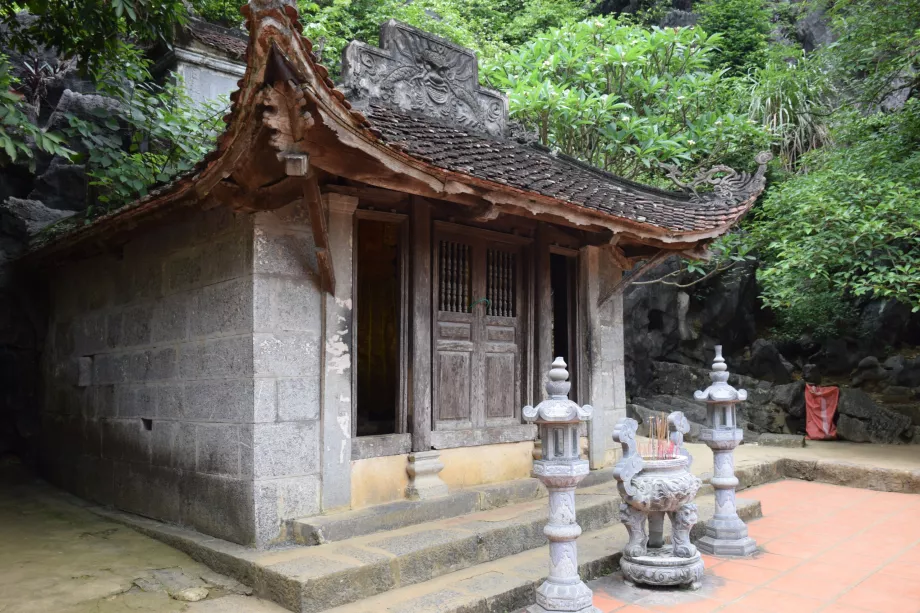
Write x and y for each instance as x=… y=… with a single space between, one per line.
x=56 y=556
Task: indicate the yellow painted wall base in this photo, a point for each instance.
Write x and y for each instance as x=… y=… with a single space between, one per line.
x=379 y=480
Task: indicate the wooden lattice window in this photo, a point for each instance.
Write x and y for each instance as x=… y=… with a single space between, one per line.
x=501 y=272
x=454 y=289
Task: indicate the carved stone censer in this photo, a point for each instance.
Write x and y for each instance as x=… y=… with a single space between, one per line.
x=651 y=487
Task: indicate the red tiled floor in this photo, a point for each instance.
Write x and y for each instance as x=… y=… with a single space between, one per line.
x=825 y=549
x=769 y=601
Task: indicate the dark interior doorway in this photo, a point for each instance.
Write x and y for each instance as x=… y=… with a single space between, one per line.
x=563 y=285
x=378 y=286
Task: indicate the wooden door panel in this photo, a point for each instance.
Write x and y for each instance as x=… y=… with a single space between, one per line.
x=454 y=378
x=454 y=331
x=501 y=385
x=500 y=333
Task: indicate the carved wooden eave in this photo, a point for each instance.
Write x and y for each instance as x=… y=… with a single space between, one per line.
x=287 y=107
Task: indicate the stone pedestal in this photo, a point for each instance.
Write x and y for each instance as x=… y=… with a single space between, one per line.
x=726 y=534
x=563 y=590
x=560 y=470
x=424 y=481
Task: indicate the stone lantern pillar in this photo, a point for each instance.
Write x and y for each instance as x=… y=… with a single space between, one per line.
x=726 y=534
x=560 y=470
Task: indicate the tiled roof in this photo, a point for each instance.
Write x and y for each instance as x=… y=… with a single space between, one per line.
x=231 y=42
x=537 y=170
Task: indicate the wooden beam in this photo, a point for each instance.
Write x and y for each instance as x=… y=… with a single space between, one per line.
x=624 y=282
x=544 y=310
x=314 y=200
x=420 y=322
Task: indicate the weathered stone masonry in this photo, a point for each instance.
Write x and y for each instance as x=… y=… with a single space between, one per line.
x=181 y=375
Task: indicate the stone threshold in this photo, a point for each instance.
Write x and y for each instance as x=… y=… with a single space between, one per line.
x=321 y=529
x=459 y=558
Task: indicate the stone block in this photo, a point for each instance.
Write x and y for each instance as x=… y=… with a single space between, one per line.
x=285 y=449
x=84 y=371
x=89 y=333
x=781 y=440
x=103 y=401
x=218 y=449
x=298 y=399
x=113 y=329
x=286 y=354
x=146 y=279
x=161 y=364
x=108 y=368
x=279 y=500
x=223 y=308
x=150 y=491
x=97 y=478
x=290 y=253
x=228 y=256
x=169 y=319
x=265 y=401
x=135 y=365
x=216 y=358
x=136 y=325
x=219 y=506
x=136 y=401
x=173 y=445
x=170 y=399
x=125 y=440
x=183 y=271
x=91 y=437
x=286 y=304
x=228 y=400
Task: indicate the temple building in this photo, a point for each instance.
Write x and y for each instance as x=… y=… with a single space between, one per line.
x=350 y=300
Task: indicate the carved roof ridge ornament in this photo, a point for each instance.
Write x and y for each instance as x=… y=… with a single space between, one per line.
x=558 y=408
x=720 y=392
x=725 y=180
x=422 y=73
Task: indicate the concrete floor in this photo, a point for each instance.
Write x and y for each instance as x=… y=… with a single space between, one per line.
x=826 y=549
x=57 y=556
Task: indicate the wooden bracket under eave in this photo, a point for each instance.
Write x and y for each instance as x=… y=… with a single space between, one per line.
x=314 y=201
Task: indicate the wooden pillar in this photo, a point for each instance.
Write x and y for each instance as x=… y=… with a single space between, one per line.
x=338 y=352
x=420 y=322
x=544 y=311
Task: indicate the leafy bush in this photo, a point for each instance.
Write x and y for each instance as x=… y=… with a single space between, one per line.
x=150 y=134
x=18 y=132
x=626 y=98
x=850 y=226
x=486 y=26
x=744 y=25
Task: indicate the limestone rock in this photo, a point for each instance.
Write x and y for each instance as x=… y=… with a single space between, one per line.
x=791 y=398
x=869 y=373
x=62 y=186
x=811 y=373
x=191 y=594
x=767 y=363
x=862 y=420
x=782 y=440
x=21 y=219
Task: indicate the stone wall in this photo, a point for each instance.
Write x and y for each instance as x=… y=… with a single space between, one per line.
x=287 y=325
x=176 y=378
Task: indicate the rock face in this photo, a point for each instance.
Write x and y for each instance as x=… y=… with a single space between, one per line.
x=767 y=363
x=862 y=420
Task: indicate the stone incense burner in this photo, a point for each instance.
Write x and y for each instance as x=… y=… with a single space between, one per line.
x=652 y=487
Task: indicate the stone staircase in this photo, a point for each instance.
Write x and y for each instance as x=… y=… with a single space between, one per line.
x=481 y=561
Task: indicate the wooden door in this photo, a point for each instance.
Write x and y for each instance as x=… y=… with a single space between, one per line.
x=478 y=324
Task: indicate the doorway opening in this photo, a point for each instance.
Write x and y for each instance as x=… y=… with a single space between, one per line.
x=377 y=330
x=563 y=286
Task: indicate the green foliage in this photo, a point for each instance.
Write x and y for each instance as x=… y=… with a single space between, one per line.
x=850 y=226
x=90 y=30
x=486 y=26
x=825 y=314
x=18 y=133
x=224 y=12
x=744 y=25
x=625 y=98
x=790 y=97
x=150 y=134
x=877 y=52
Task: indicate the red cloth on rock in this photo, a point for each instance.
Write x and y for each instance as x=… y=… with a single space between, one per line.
x=820 y=408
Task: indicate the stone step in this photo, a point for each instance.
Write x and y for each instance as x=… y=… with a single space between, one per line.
x=509 y=584
x=392 y=516
x=313 y=579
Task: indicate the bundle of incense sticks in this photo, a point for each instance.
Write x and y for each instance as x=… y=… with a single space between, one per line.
x=659 y=446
